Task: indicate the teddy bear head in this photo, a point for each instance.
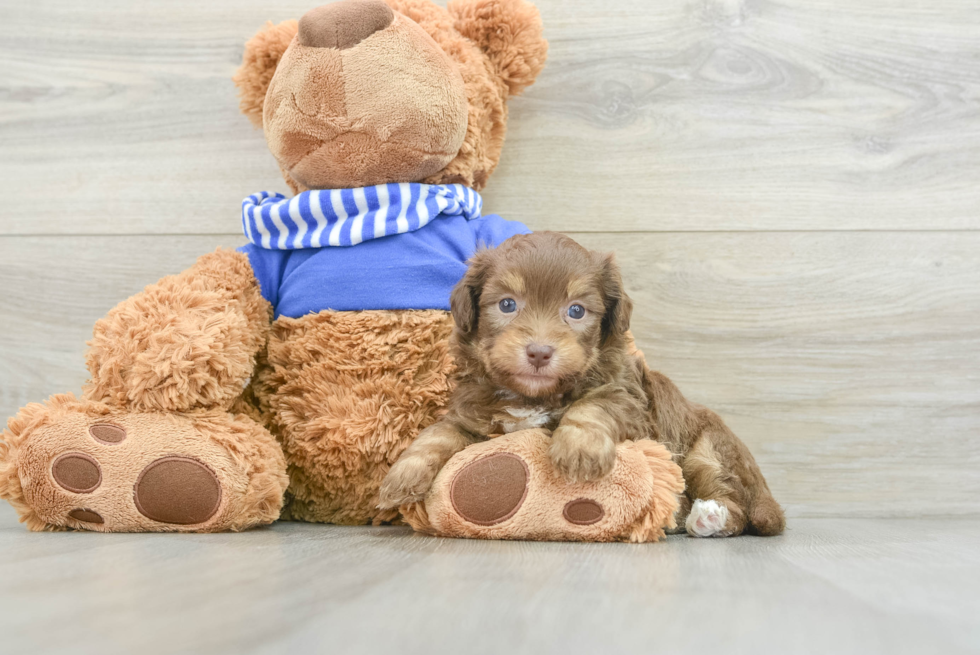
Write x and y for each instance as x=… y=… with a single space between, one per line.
x=365 y=92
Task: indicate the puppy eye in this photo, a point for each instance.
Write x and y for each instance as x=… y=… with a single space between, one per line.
x=576 y=311
x=507 y=305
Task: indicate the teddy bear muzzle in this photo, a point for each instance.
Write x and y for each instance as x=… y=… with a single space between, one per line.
x=343 y=24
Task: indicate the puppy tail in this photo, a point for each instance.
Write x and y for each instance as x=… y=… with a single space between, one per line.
x=765 y=515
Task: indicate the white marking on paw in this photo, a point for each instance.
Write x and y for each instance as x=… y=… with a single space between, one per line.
x=528 y=417
x=707 y=518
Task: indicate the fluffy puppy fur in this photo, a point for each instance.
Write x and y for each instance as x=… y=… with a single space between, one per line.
x=541 y=340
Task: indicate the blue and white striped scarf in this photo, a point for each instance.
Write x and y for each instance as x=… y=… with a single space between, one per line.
x=346 y=217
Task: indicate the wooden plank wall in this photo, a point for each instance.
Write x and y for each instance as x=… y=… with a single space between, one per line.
x=793 y=188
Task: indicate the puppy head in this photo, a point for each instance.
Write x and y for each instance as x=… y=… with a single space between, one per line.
x=539 y=312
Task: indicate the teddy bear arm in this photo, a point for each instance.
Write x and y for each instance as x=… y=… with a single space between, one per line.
x=189 y=341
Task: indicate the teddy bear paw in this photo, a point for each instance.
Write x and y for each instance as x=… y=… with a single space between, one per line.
x=508 y=488
x=86 y=467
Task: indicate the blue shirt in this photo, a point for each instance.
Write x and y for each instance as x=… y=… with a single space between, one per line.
x=412 y=270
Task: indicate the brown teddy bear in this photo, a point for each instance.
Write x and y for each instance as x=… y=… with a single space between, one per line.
x=246 y=388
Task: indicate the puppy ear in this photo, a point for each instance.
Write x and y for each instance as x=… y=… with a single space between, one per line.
x=464 y=301
x=619 y=307
x=262 y=54
x=509 y=32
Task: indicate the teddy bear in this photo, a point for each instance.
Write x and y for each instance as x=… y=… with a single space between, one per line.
x=283 y=379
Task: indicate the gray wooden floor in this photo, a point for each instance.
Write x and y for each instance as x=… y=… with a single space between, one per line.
x=827 y=586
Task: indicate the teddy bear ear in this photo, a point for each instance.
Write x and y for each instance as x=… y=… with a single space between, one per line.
x=509 y=32
x=262 y=54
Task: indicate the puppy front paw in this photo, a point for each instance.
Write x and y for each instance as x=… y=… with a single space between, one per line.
x=407 y=482
x=582 y=454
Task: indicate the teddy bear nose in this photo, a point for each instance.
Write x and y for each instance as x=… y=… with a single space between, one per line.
x=343 y=24
x=539 y=355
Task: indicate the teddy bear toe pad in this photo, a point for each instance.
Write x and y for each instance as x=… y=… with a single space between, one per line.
x=86 y=516
x=107 y=433
x=583 y=511
x=178 y=490
x=77 y=473
x=491 y=489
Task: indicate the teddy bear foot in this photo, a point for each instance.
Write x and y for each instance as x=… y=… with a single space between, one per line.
x=507 y=488
x=84 y=465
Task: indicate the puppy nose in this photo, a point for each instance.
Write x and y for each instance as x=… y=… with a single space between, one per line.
x=539 y=355
x=343 y=24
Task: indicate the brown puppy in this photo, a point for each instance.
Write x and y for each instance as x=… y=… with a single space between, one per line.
x=541 y=340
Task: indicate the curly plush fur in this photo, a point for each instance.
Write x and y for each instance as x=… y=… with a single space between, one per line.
x=509 y=31
x=516 y=56
x=351 y=390
x=188 y=341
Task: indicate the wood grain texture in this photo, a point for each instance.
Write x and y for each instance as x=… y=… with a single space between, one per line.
x=826 y=586
x=849 y=362
x=119 y=117
x=751 y=114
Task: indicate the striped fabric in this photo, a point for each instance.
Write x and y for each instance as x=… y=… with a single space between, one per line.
x=347 y=217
